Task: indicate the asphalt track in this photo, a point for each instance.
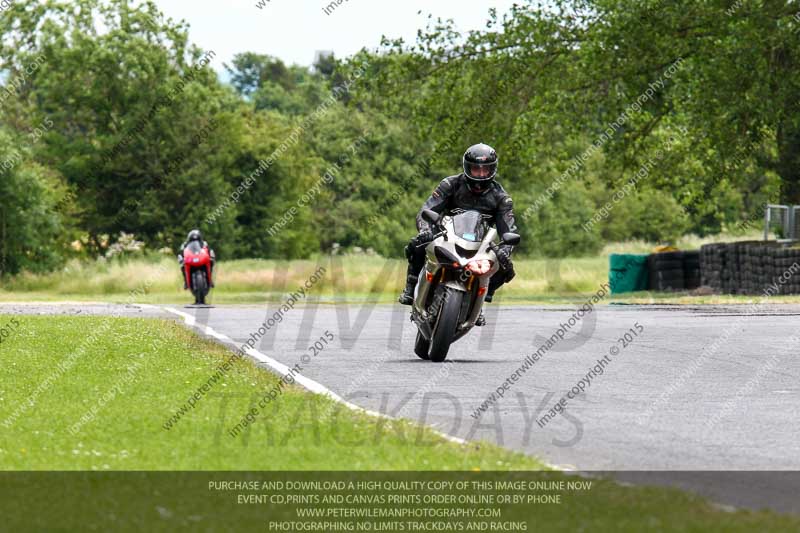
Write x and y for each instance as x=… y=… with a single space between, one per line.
x=706 y=388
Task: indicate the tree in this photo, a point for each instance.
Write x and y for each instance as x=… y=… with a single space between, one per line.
x=125 y=102
x=554 y=73
x=32 y=200
x=250 y=71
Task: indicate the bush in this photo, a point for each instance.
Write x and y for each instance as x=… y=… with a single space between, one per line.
x=555 y=229
x=31 y=233
x=650 y=215
x=125 y=247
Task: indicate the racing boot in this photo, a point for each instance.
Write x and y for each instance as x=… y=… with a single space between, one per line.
x=494 y=283
x=481 y=320
x=407 y=296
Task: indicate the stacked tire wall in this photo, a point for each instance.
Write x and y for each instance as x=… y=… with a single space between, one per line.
x=691 y=269
x=674 y=271
x=750 y=267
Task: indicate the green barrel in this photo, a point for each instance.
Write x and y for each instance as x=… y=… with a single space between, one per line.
x=627 y=272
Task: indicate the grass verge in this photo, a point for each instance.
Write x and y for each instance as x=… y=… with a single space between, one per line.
x=146 y=369
x=131 y=375
x=347 y=279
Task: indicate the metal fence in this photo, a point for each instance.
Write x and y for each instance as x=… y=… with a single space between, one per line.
x=783 y=221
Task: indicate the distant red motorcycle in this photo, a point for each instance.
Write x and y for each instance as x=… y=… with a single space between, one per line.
x=197 y=270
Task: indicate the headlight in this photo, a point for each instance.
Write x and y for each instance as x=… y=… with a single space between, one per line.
x=479 y=266
x=196 y=260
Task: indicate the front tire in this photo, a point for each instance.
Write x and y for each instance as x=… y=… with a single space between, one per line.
x=199 y=286
x=421 y=346
x=446 y=324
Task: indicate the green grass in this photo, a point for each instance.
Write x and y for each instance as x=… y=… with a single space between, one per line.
x=169 y=363
x=349 y=278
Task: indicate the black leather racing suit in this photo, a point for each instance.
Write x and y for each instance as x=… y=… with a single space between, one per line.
x=454 y=193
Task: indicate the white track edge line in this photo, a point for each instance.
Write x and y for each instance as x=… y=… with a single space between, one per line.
x=308 y=383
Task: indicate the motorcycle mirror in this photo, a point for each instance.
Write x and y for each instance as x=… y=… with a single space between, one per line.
x=511 y=238
x=430 y=216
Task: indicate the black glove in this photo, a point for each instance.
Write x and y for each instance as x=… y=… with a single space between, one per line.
x=504 y=258
x=503 y=254
x=425 y=236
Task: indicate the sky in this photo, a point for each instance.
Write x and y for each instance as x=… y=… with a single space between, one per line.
x=293 y=30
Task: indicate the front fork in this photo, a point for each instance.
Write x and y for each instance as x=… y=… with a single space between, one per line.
x=423 y=289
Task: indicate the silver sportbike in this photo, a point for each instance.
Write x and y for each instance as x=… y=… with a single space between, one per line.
x=451 y=288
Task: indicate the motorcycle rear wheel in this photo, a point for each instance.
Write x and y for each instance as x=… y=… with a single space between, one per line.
x=446 y=324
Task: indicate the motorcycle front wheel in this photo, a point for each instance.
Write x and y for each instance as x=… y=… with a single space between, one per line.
x=446 y=324
x=199 y=286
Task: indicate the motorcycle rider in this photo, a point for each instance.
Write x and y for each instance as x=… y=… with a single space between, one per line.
x=196 y=235
x=475 y=189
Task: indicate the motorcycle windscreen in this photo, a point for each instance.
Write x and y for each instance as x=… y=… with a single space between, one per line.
x=469 y=226
x=195 y=247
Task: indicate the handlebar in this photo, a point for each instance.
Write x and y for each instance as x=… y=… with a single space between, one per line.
x=436 y=236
